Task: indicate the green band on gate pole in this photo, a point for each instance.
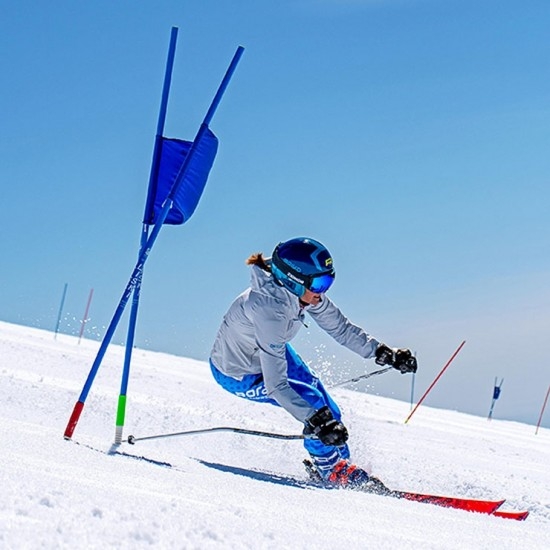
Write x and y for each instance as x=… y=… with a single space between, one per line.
x=121 y=410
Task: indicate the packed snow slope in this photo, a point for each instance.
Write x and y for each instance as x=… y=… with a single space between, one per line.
x=73 y=494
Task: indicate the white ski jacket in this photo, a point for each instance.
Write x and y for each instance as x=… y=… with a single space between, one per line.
x=258 y=325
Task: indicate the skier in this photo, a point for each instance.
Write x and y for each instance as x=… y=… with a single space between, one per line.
x=252 y=358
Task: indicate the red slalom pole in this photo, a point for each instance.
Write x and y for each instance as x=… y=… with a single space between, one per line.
x=542 y=411
x=436 y=379
x=85 y=318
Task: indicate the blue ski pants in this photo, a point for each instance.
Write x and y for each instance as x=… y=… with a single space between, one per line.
x=304 y=382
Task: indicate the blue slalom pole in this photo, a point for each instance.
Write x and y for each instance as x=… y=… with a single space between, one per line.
x=60 y=311
x=412 y=389
x=144 y=254
x=496 y=395
x=155 y=164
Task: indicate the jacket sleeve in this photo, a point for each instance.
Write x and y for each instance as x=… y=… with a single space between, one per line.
x=337 y=325
x=270 y=325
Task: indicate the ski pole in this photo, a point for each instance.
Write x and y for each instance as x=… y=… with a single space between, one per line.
x=362 y=377
x=132 y=439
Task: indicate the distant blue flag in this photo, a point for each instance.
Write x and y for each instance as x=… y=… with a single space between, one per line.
x=172 y=157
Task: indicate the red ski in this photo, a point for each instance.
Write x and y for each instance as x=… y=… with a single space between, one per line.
x=490 y=507
x=375 y=486
x=468 y=504
x=520 y=516
x=471 y=505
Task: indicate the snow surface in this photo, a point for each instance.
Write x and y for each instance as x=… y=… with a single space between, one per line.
x=62 y=494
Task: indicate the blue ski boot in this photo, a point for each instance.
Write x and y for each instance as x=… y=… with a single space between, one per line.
x=345 y=475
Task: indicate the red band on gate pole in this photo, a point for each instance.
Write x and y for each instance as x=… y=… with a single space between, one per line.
x=436 y=379
x=73 y=421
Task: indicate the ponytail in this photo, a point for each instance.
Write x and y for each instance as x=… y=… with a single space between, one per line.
x=259 y=260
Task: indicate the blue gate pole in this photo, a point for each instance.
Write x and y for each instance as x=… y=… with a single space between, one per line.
x=60 y=311
x=121 y=407
x=144 y=254
x=496 y=395
x=412 y=389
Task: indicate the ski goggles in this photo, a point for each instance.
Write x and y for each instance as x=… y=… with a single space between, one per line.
x=321 y=283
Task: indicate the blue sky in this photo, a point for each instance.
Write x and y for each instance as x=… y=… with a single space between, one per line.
x=411 y=137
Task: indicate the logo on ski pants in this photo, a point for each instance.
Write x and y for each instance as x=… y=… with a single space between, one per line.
x=255 y=393
x=302 y=380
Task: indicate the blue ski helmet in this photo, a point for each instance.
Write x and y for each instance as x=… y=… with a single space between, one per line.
x=302 y=263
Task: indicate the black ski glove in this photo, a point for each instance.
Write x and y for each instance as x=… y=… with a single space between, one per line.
x=323 y=425
x=401 y=359
x=405 y=361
